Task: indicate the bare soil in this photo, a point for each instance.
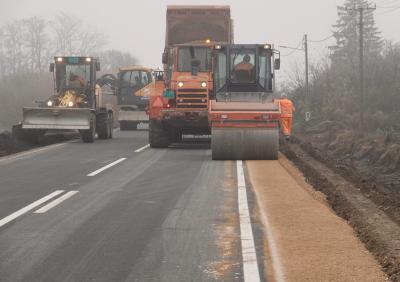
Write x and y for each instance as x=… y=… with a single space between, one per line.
x=309 y=242
x=369 y=207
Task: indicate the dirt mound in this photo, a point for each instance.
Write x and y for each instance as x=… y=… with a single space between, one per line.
x=7 y=144
x=372 y=161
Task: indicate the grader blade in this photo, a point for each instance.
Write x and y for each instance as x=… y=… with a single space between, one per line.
x=56 y=118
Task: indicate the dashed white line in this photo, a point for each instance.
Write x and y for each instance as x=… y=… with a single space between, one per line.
x=56 y=202
x=143 y=148
x=249 y=255
x=106 y=167
x=26 y=209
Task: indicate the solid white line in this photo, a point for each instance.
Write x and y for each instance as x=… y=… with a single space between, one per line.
x=56 y=202
x=24 y=210
x=106 y=167
x=249 y=255
x=143 y=148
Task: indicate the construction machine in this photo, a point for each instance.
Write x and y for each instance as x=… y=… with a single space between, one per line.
x=182 y=107
x=77 y=104
x=243 y=117
x=134 y=87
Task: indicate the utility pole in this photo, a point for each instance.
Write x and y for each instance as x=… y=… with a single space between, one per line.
x=305 y=49
x=306 y=62
x=361 y=11
x=308 y=114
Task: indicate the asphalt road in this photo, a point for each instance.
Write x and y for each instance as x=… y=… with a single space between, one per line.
x=152 y=215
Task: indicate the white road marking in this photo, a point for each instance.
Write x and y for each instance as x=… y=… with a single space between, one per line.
x=249 y=255
x=143 y=148
x=56 y=202
x=26 y=209
x=106 y=167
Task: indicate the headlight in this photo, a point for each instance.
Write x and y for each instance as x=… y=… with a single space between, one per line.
x=204 y=84
x=180 y=84
x=88 y=60
x=70 y=104
x=59 y=59
x=49 y=103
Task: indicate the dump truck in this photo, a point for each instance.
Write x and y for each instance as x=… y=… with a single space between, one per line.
x=243 y=117
x=182 y=108
x=134 y=86
x=187 y=24
x=77 y=104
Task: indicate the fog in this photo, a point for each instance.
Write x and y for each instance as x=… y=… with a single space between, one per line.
x=139 y=26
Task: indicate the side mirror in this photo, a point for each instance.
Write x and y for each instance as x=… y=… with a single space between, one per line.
x=165 y=58
x=97 y=66
x=51 y=68
x=277 y=64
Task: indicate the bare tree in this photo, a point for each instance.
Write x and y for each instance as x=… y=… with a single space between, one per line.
x=37 y=42
x=13 y=47
x=73 y=38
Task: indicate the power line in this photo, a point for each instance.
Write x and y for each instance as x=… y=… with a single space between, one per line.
x=387 y=12
x=322 y=40
x=294 y=49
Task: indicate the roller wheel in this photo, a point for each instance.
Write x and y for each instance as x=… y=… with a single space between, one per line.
x=159 y=137
x=244 y=143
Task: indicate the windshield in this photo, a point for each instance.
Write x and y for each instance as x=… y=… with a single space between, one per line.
x=265 y=73
x=243 y=66
x=194 y=56
x=73 y=76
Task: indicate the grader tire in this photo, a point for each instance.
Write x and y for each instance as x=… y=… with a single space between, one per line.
x=102 y=126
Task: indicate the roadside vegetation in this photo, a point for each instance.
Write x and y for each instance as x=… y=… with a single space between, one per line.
x=364 y=136
x=26 y=48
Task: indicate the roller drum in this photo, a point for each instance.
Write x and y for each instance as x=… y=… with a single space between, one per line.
x=244 y=143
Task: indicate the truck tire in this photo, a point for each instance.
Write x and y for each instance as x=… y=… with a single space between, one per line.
x=87 y=136
x=103 y=126
x=159 y=137
x=111 y=123
x=175 y=136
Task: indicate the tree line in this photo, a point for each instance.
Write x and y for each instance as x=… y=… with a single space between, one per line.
x=28 y=45
x=334 y=82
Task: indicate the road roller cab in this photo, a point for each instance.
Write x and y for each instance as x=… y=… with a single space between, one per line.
x=243 y=117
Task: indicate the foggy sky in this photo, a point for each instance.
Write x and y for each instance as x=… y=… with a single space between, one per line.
x=139 y=26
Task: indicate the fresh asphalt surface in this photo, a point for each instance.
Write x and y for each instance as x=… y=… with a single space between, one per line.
x=151 y=217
